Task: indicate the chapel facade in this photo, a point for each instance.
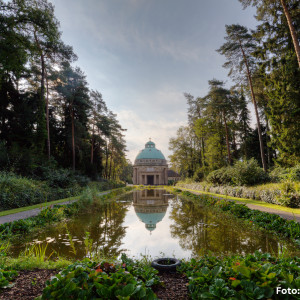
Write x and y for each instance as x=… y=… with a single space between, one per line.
x=150 y=167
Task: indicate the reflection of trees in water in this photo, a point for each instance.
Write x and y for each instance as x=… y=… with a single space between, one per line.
x=229 y=236
x=110 y=231
x=104 y=223
x=105 y=227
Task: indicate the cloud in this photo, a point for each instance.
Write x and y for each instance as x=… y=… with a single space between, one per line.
x=140 y=130
x=130 y=26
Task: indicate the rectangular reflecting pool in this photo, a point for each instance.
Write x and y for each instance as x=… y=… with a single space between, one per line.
x=153 y=222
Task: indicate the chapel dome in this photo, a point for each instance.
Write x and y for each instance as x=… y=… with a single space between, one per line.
x=150 y=152
x=151 y=219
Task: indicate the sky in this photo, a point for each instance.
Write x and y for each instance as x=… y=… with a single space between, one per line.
x=143 y=55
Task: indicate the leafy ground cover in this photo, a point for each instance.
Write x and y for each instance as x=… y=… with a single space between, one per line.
x=54 y=213
x=90 y=280
x=255 y=276
x=6 y=276
x=270 y=222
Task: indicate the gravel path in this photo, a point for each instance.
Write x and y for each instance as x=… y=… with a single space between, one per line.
x=283 y=214
x=33 y=212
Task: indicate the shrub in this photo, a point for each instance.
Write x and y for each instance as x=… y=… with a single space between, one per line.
x=16 y=191
x=288 y=196
x=200 y=173
x=295 y=173
x=280 y=174
x=242 y=173
x=220 y=176
x=248 y=173
x=106 y=185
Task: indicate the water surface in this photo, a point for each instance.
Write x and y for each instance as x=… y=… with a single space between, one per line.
x=155 y=223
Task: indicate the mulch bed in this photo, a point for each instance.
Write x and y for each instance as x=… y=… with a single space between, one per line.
x=28 y=285
x=175 y=286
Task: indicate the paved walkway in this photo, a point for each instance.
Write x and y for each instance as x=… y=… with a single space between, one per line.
x=283 y=214
x=33 y=212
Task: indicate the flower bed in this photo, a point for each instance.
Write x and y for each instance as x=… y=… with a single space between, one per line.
x=254 y=276
x=270 y=193
x=91 y=280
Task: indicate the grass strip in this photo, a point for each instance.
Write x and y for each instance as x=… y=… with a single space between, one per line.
x=295 y=211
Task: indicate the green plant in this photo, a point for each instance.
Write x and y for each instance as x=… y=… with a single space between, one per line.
x=141 y=269
x=6 y=276
x=245 y=172
x=23 y=262
x=17 y=191
x=88 y=243
x=4 y=246
x=220 y=176
x=280 y=174
x=38 y=251
x=74 y=251
x=288 y=196
x=248 y=173
x=254 y=276
x=34 y=281
x=91 y=280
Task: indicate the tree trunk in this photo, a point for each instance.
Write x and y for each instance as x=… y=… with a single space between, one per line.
x=73 y=137
x=227 y=139
x=203 y=151
x=47 y=118
x=262 y=152
x=267 y=140
x=92 y=150
x=93 y=133
x=106 y=162
x=110 y=164
x=292 y=30
x=41 y=121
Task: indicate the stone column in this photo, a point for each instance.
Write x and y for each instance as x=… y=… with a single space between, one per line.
x=134 y=179
x=166 y=176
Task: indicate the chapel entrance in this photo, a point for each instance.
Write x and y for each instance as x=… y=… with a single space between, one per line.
x=150 y=179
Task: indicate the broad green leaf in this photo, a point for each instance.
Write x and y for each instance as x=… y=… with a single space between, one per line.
x=244 y=271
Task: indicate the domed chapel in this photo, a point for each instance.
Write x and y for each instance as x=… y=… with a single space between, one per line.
x=150 y=166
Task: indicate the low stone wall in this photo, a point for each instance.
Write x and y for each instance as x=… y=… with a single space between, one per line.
x=274 y=196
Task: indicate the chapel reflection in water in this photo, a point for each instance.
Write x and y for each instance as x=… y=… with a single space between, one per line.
x=150 y=206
